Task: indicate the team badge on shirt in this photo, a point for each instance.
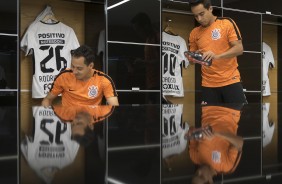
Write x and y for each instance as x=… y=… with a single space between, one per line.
x=216 y=156
x=216 y=34
x=93 y=91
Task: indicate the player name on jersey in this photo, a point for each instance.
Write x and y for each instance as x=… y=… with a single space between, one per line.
x=51 y=152
x=51 y=41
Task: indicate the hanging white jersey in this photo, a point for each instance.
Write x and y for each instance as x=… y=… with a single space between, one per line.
x=268 y=127
x=173 y=48
x=51 y=44
x=51 y=146
x=267 y=62
x=173 y=130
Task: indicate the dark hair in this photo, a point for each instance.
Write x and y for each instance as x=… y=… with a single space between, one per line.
x=86 y=139
x=206 y=3
x=86 y=52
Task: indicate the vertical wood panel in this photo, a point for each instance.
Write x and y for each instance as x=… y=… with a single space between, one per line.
x=270 y=37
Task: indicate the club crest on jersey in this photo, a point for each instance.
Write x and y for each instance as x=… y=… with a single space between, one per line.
x=92 y=91
x=215 y=34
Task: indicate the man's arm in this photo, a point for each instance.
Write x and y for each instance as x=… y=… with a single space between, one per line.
x=236 y=141
x=235 y=50
x=47 y=101
x=112 y=101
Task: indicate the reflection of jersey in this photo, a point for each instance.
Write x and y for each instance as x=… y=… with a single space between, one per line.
x=268 y=127
x=51 y=45
x=267 y=62
x=51 y=146
x=217 y=152
x=99 y=113
x=173 y=48
x=173 y=130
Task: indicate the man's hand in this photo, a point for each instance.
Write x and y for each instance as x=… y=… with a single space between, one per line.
x=196 y=57
x=209 y=55
x=46 y=102
x=208 y=134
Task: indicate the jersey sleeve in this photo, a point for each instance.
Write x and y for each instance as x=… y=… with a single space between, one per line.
x=183 y=49
x=269 y=57
x=233 y=31
x=109 y=89
x=57 y=86
x=24 y=43
x=192 y=41
x=73 y=41
x=27 y=42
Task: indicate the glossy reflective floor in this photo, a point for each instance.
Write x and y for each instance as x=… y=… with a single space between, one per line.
x=141 y=144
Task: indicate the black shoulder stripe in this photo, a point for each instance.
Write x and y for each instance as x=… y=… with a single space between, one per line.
x=234 y=25
x=109 y=78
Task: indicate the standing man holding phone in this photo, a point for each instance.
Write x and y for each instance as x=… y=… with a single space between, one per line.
x=217 y=39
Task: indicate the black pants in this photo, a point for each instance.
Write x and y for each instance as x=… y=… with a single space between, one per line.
x=232 y=93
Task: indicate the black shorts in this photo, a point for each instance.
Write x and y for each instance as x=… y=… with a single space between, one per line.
x=232 y=93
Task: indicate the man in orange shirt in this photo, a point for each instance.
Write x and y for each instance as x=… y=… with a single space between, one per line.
x=82 y=84
x=219 y=40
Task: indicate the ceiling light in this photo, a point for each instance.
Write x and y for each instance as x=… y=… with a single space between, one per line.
x=117 y=4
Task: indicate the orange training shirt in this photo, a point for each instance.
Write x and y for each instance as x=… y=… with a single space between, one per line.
x=217 y=38
x=77 y=92
x=217 y=152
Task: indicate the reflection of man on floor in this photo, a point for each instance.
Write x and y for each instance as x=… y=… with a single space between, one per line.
x=219 y=151
x=145 y=29
x=58 y=134
x=83 y=120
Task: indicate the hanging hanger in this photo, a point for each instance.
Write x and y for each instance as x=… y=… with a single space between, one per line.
x=168 y=29
x=50 y=18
